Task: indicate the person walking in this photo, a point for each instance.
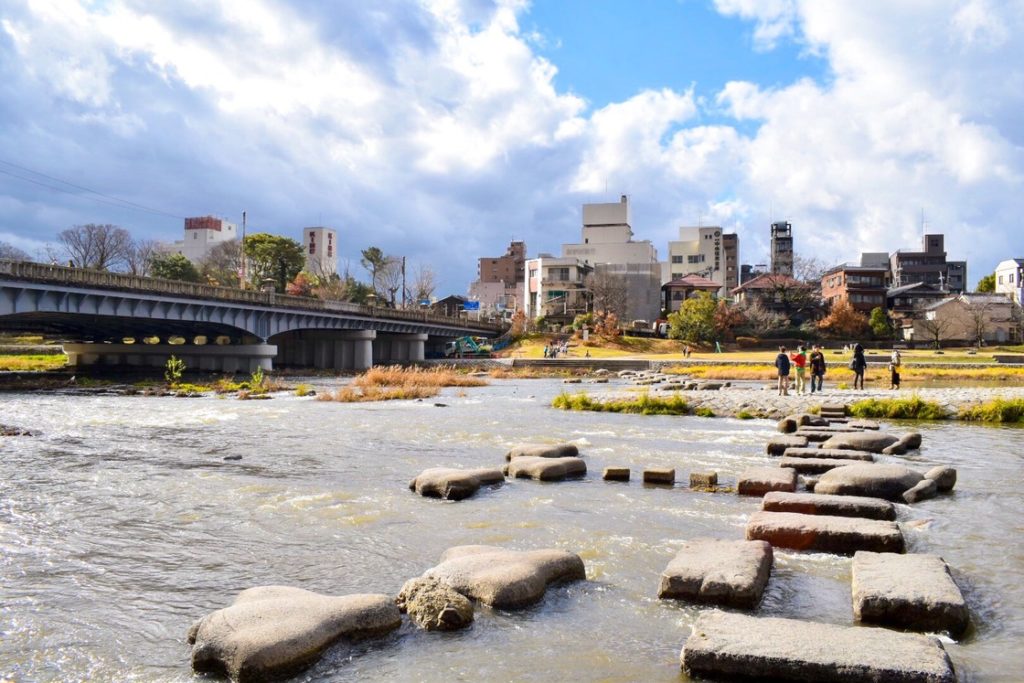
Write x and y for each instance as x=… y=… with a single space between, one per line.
x=894 y=376
x=859 y=364
x=782 y=368
x=817 y=361
x=800 y=361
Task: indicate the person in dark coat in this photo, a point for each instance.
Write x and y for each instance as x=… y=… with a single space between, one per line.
x=782 y=367
x=859 y=364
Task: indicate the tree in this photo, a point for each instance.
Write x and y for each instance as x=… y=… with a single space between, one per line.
x=273 y=257
x=374 y=261
x=808 y=269
x=139 y=256
x=607 y=291
x=519 y=324
x=844 y=321
x=222 y=264
x=302 y=285
x=11 y=252
x=760 y=319
x=173 y=266
x=695 y=320
x=97 y=247
x=987 y=284
x=424 y=282
x=727 y=319
x=390 y=278
x=935 y=327
x=978 y=319
x=879 y=321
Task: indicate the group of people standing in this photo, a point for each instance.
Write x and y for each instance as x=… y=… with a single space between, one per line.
x=556 y=350
x=815 y=362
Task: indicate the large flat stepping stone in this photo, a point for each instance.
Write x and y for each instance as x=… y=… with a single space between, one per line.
x=874 y=442
x=778 y=444
x=814 y=435
x=914 y=592
x=815 y=465
x=757 y=481
x=502 y=578
x=828 y=453
x=730 y=646
x=875 y=481
x=273 y=630
x=454 y=484
x=545 y=469
x=835 y=506
x=707 y=570
x=791 y=423
x=540 y=450
x=825 y=533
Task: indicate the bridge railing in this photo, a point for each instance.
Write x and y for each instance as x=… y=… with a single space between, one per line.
x=64 y=275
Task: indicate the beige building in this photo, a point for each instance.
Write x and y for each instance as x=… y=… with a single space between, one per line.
x=1010 y=279
x=707 y=252
x=320 y=245
x=203 y=233
x=965 y=318
x=607 y=244
x=555 y=288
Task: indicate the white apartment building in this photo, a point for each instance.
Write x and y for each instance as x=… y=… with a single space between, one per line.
x=202 y=234
x=555 y=288
x=608 y=245
x=320 y=245
x=1010 y=279
x=703 y=251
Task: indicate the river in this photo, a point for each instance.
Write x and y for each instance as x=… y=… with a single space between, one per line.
x=121 y=523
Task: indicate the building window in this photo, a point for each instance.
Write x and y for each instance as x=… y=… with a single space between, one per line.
x=697 y=258
x=677 y=259
x=1000 y=279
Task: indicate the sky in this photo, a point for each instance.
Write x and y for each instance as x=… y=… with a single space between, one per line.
x=440 y=130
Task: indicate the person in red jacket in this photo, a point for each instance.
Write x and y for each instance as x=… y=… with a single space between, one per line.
x=800 y=361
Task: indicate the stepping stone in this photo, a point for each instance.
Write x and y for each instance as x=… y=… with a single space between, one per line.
x=824 y=533
x=454 y=484
x=828 y=453
x=545 y=469
x=540 y=450
x=814 y=435
x=272 y=630
x=791 y=423
x=707 y=570
x=862 y=441
x=914 y=592
x=616 y=474
x=502 y=578
x=875 y=481
x=835 y=506
x=777 y=445
x=729 y=645
x=944 y=477
x=660 y=475
x=703 y=480
x=864 y=424
x=434 y=606
x=758 y=481
x=815 y=465
x=923 y=490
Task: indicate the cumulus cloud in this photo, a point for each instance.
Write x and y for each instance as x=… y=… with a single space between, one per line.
x=434 y=129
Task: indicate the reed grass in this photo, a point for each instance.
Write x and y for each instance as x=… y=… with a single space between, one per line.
x=1000 y=410
x=398 y=376
x=352 y=394
x=905 y=408
x=644 y=404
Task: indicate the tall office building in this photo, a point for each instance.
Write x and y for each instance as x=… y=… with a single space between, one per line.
x=704 y=251
x=321 y=248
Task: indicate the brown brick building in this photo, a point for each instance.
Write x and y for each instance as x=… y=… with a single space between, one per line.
x=864 y=287
x=508 y=268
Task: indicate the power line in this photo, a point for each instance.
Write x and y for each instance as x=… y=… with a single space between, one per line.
x=113 y=201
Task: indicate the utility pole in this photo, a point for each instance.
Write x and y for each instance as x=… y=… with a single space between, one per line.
x=403 y=283
x=241 y=280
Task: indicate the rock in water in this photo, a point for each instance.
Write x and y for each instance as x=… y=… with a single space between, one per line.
x=944 y=477
x=779 y=444
x=725 y=645
x=731 y=573
x=922 y=490
x=835 y=506
x=435 y=606
x=875 y=481
x=545 y=469
x=824 y=533
x=534 y=450
x=913 y=592
x=273 y=630
x=503 y=578
x=861 y=441
x=757 y=481
x=453 y=484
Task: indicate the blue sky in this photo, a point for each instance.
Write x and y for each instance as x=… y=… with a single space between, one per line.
x=439 y=130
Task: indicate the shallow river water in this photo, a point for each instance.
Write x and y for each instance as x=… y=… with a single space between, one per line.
x=121 y=523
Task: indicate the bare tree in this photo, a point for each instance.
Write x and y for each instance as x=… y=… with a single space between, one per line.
x=977 y=318
x=936 y=327
x=11 y=252
x=222 y=264
x=808 y=268
x=97 y=247
x=608 y=292
x=761 y=320
x=424 y=282
x=140 y=255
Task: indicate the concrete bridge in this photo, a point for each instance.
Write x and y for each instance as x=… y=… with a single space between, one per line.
x=125 y=320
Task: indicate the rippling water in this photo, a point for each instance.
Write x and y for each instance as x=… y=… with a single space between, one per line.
x=121 y=524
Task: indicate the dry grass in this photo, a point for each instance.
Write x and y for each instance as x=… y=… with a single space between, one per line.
x=396 y=383
x=33 y=363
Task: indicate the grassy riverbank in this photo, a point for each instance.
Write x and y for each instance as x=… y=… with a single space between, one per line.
x=644 y=404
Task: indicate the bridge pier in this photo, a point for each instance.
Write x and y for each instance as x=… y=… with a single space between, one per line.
x=213 y=358
x=350 y=350
x=399 y=348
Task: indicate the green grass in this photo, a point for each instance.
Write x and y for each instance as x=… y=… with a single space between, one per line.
x=909 y=408
x=33 y=362
x=745 y=415
x=704 y=411
x=996 y=410
x=644 y=404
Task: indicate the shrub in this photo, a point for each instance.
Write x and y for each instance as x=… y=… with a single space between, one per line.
x=174 y=369
x=911 y=408
x=745 y=415
x=303 y=390
x=704 y=411
x=747 y=342
x=996 y=410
